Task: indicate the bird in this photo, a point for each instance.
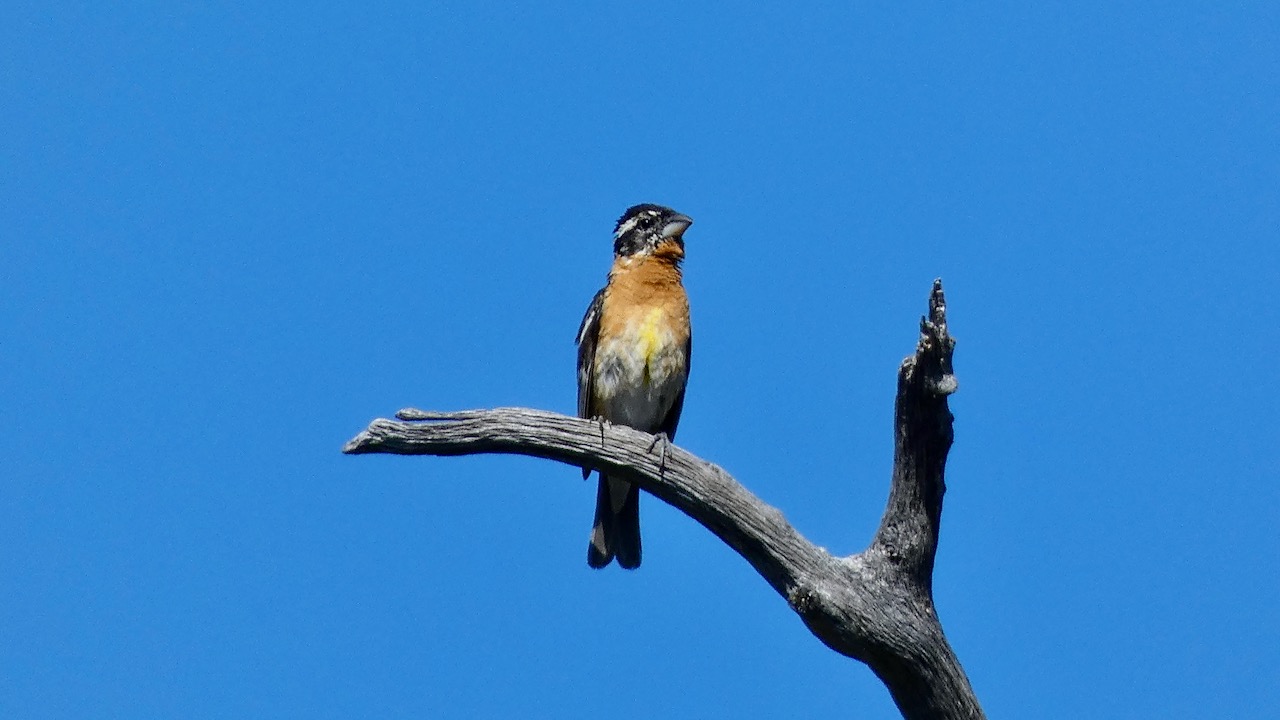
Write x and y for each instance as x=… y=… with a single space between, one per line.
x=634 y=347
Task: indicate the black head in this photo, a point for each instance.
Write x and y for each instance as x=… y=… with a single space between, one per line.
x=642 y=227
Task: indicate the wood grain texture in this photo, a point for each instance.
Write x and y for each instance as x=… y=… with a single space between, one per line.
x=875 y=606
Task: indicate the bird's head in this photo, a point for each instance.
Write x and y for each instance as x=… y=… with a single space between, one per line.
x=642 y=228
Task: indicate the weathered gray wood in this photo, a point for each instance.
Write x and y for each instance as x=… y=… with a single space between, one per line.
x=875 y=606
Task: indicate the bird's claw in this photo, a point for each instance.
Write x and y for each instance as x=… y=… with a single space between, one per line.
x=603 y=424
x=666 y=441
x=586 y=472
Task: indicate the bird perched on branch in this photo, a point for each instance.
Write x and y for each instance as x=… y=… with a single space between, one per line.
x=633 y=360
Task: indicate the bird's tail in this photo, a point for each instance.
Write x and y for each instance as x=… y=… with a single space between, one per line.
x=616 y=530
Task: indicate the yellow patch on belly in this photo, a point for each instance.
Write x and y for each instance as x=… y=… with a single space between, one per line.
x=651 y=339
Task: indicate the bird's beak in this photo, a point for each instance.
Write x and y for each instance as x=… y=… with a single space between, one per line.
x=676 y=225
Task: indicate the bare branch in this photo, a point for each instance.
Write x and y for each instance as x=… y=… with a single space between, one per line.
x=875 y=606
x=701 y=490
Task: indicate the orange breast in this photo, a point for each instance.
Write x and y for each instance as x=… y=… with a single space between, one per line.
x=637 y=287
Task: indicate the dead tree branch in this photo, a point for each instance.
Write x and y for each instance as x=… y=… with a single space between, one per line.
x=875 y=606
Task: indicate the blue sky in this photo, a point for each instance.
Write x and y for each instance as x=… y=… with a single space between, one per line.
x=232 y=235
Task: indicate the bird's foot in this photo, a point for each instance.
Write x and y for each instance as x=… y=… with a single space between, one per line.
x=603 y=424
x=666 y=442
x=586 y=472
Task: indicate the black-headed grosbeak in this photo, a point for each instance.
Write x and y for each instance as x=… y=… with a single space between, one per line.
x=634 y=346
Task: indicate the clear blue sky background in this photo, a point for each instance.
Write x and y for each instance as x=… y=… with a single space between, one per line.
x=232 y=235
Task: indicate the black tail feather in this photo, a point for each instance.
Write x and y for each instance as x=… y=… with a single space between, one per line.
x=626 y=531
x=615 y=535
x=599 y=553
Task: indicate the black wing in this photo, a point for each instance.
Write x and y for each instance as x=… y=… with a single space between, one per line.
x=588 y=334
x=672 y=419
